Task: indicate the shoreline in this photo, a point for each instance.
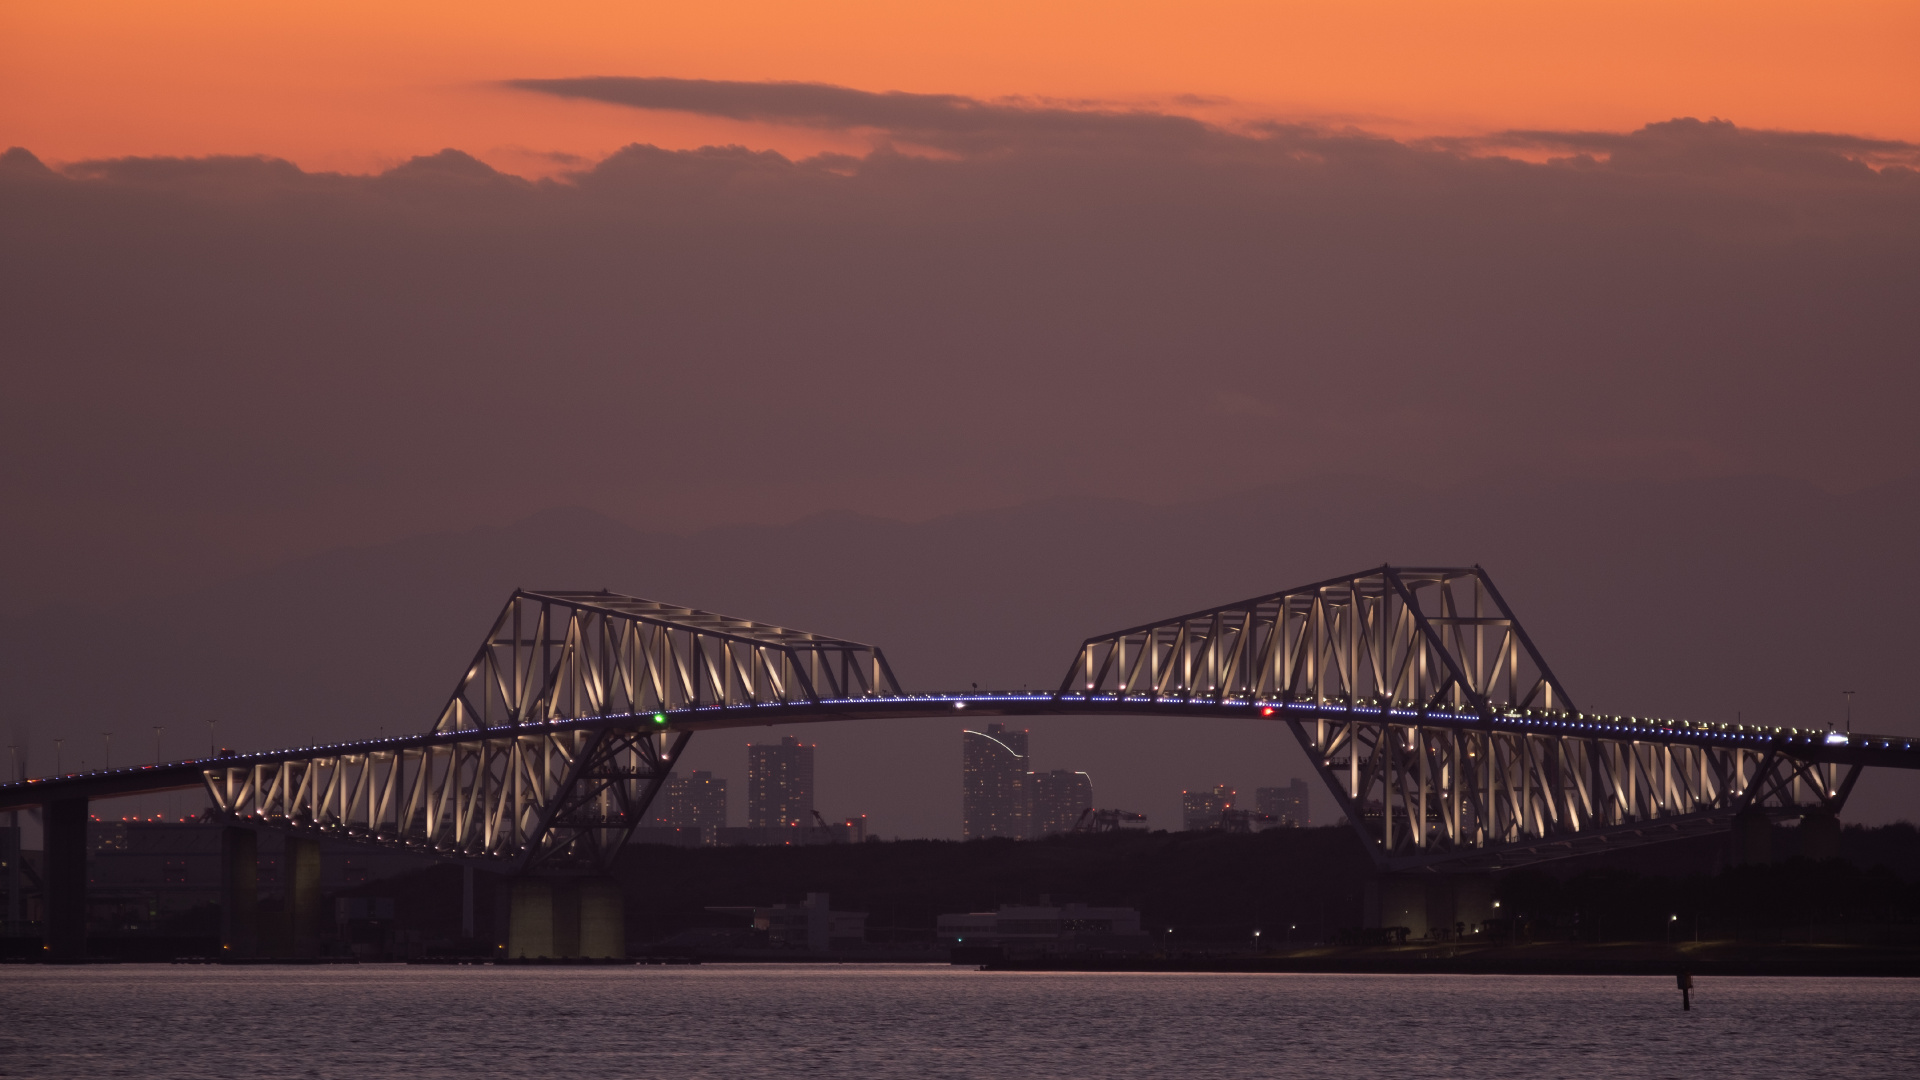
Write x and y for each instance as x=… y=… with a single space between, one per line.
x=1627 y=958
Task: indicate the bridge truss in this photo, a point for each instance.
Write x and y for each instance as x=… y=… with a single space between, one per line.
x=1441 y=732
x=558 y=736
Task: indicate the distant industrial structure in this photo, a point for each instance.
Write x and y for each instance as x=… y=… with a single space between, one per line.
x=1001 y=796
x=1286 y=805
x=1092 y=820
x=780 y=784
x=812 y=925
x=1044 y=927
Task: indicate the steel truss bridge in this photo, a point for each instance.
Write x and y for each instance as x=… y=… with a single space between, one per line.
x=1444 y=737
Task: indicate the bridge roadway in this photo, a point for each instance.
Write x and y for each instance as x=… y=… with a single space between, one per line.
x=1806 y=744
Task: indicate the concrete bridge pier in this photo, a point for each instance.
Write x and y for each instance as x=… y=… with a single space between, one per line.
x=1430 y=905
x=530 y=920
x=66 y=855
x=302 y=884
x=566 y=919
x=1752 y=838
x=603 y=919
x=239 y=893
x=1819 y=835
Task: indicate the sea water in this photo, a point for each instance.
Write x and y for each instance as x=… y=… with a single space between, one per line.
x=920 y=1022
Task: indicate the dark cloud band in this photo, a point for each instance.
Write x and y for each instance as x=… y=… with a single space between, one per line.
x=943 y=120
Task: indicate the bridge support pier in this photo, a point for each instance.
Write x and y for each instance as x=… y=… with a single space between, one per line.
x=66 y=855
x=11 y=852
x=1472 y=903
x=239 y=893
x=566 y=920
x=1397 y=900
x=603 y=919
x=1820 y=835
x=1752 y=838
x=302 y=878
x=530 y=920
x=466 y=901
x=1430 y=905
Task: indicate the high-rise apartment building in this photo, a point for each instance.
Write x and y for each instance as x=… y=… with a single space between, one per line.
x=780 y=784
x=1059 y=798
x=1286 y=805
x=1200 y=810
x=995 y=795
x=696 y=802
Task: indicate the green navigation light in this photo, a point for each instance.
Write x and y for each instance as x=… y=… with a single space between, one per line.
x=659 y=718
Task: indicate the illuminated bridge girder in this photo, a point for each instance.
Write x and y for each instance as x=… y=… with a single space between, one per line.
x=509 y=771
x=1439 y=729
x=1442 y=734
x=566 y=798
x=564 y=655
x=1468 y=796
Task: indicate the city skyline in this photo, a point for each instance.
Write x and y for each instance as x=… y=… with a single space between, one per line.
x=1003 y=795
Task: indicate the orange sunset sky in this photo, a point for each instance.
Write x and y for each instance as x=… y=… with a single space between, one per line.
x=358 y=86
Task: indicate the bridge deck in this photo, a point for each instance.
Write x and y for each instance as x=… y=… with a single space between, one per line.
x=1805 y=744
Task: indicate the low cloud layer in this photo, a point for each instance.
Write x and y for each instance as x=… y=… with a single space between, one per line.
x=943 y=121
x=215 y=362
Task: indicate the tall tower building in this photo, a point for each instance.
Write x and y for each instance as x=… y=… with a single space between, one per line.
x=697 y=802
x=1287 y=805
x=1059 y=798
x=780 y=784
x=1201 y=810
x=995 y=798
